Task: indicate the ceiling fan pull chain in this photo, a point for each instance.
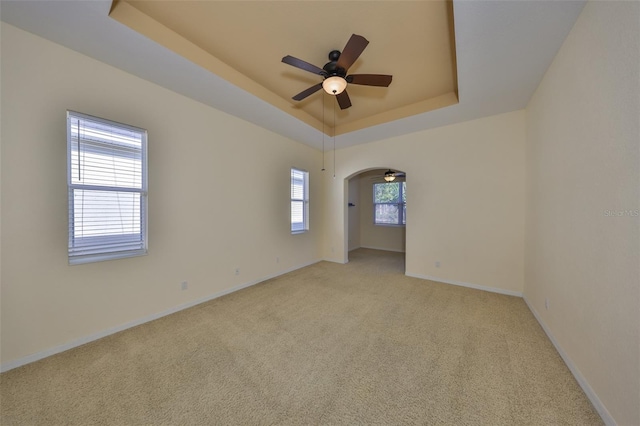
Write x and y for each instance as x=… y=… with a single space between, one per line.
x=323 y=132
x=334 y=140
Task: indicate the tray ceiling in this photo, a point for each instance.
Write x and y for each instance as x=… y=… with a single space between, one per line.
x=503 y=49
x=244 y=42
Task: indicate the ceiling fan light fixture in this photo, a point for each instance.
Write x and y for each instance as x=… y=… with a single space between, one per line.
x=334 y=85
x=334 y=73
x=389 y=176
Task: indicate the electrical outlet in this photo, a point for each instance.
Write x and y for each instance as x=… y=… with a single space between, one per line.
x=546 y=304
x=277 y=259
x=237 y=271
x=184 y=285
x=437 y=264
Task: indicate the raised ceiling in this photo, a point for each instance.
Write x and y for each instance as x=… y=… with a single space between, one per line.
x=503 y=49
x=244 y=42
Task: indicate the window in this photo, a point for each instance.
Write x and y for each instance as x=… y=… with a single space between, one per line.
x=107 y=182
x=390 y=203
x=299 y=201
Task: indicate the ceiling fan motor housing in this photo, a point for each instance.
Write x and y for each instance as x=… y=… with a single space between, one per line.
x=332 y=67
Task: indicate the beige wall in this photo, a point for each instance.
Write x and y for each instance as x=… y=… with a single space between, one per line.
x=218 y=200
x=466 y=205
x=583 y=166
x=354 y=213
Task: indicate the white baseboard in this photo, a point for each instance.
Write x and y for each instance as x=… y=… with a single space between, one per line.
x=382 y=248
x=593 y=397
x=90 y=338
x=327 y=259
x=469 y=285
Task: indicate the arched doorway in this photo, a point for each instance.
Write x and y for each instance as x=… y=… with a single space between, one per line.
x=376 y=210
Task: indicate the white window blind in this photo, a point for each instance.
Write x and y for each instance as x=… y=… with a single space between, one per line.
x=299 y=201
x=107 y=181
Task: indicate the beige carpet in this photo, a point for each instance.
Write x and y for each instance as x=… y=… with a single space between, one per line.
x=328 y=344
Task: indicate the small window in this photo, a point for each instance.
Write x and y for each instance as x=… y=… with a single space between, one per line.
x=299 y=201
x=390 y=203
x=107 y=182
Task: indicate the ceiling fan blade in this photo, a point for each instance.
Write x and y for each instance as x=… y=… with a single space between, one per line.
x=352 y=51
x=299 y=63
x=370 y=79
x=343 y=100
x=311 y=90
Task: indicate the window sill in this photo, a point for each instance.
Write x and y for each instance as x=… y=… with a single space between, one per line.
x=79 y=260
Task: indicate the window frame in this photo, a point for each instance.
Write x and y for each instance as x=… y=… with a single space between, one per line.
x=304 y=200
x=100 y=252
x=402 y=205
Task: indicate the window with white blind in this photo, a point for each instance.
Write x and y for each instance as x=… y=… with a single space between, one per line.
x=107 y=182
x=390 y=203
x=299 y=201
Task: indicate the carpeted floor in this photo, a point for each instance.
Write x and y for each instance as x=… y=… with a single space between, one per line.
x=328 y=344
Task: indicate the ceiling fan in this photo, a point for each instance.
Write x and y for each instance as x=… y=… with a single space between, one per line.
x=335 y=72
x=389 y=176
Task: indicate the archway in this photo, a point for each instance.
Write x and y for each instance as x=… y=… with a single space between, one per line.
x=375 y=216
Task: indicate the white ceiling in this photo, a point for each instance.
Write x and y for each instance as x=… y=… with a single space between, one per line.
x=503 y=50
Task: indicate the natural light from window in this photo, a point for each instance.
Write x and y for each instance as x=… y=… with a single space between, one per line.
x=390 y=203
x=299 y=201
x=107 y=189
